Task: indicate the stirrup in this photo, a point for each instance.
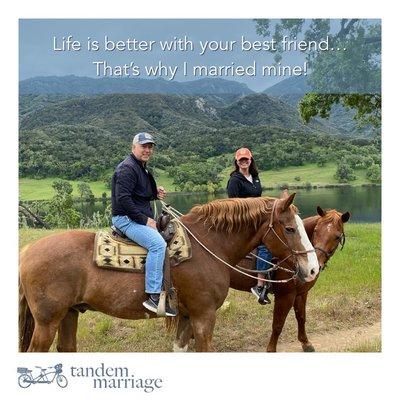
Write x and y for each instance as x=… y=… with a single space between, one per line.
x=161 y=305
x=164 y=308
x=263 y=299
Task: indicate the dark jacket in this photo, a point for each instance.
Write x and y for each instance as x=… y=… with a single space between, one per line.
x=239 y=186
x=132 y=189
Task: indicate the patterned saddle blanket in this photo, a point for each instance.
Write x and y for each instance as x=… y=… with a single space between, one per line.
x=111 y=252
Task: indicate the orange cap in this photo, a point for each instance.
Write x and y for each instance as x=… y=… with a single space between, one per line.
x=243 y=153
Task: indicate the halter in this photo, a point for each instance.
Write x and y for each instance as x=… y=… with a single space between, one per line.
x=329 y=254
x=294 y=253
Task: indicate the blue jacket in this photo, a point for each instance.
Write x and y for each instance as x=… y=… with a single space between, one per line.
x=132 y=189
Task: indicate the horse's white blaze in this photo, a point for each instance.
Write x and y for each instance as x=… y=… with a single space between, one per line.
x=311 y=256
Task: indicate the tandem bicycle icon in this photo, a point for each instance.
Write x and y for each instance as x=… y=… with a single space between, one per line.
x=27 y=379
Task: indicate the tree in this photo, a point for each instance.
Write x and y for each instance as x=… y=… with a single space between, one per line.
x=85 y=192
x=321 y=158
x=350 y=77
x=374 y=173
x=344 y=173
x=368 y=106
x=196 y=176
x=61 y=212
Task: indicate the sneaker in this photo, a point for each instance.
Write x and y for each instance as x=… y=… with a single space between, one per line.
x=152 y=304
x=257 y=291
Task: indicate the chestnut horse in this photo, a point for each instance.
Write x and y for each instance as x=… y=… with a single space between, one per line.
x=58 y=277
x=326 y=232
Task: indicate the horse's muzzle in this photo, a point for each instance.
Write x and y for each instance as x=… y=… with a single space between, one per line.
x=305 y=277
x=300 y=276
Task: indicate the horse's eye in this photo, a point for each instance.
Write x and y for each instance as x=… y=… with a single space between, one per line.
x=289 y=229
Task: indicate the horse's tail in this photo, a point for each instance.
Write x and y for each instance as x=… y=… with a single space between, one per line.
x=26 y=321
x=171 y=323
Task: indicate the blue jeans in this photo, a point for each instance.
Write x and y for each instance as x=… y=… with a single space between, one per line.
x=264 y=253
x=150 y=239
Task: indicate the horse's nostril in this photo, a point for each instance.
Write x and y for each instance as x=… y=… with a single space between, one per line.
x=312 y=272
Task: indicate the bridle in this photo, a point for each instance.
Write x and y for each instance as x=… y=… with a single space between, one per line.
x=293 y=253
x=275 y=266
x=328 y=254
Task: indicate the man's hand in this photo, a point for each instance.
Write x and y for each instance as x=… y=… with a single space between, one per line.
x=161 y=193
x=151 y=223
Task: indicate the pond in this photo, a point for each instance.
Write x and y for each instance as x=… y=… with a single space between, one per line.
x=364 y=203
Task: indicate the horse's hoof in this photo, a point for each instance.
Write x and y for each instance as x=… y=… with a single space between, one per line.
x=180 y=349
x=308 y=348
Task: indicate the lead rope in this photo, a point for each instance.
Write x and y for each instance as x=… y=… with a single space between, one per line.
x=175 y=213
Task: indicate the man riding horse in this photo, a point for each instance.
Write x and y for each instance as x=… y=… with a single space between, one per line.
x=133 y=187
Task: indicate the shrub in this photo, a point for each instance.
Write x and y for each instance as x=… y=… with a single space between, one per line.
x=344 y=173
x=374 y=173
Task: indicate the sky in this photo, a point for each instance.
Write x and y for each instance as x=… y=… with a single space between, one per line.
x=37 y=57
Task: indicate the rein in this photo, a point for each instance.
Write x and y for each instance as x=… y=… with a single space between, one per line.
x=271 y=228
x=329 y=254
x=177 y=214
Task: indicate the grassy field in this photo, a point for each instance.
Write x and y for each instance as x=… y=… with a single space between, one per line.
x=347 y=295
x=40 y=189
x=308 y=173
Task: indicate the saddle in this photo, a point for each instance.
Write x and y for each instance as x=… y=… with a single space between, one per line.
x=114 y=250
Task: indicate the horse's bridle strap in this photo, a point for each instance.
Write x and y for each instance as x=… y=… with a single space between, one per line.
x=271 y=228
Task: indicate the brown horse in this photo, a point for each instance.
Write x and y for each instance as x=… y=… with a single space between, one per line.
x=58 y=277
x=326 y=232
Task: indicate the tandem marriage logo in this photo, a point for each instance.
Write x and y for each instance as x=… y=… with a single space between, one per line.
x=101 y=377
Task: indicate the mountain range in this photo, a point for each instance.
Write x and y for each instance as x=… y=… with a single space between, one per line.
x=75 y=85
x=215 y=93
x=126 y=113
x=85 y=134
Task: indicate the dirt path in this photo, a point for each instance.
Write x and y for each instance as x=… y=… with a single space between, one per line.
x=337 y=341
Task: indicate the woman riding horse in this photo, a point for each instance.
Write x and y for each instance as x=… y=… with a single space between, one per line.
x=245 y=182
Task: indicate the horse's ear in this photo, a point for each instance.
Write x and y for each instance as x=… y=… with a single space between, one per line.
x=320 y=211
x=345 y=217
x=288 y=201
x=284 y=194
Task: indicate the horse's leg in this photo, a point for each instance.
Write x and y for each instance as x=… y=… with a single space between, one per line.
x=203 y=327
x=43 y=336
x=183 y=334
x=300 y=311
x=282 y=306
x=67 y=332
x=47 y=314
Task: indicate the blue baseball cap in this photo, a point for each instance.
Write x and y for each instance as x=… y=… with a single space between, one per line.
x=143 y=138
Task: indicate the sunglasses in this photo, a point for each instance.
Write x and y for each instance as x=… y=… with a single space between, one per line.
x=242 y=160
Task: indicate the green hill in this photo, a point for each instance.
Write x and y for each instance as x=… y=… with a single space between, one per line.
x=85 y=137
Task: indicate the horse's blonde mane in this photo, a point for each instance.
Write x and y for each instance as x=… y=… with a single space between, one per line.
x=231 y=215
x=332 y=216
